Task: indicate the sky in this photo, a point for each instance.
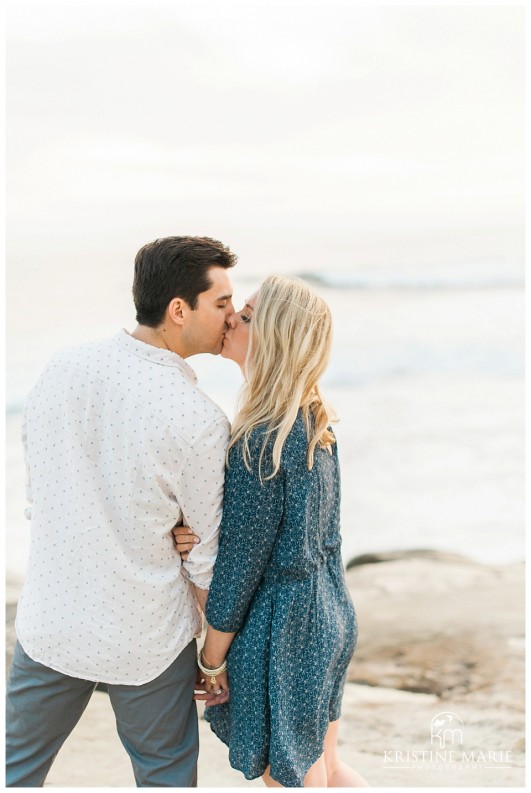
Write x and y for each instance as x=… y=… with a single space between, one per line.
x=322 y=136
x=293 y=130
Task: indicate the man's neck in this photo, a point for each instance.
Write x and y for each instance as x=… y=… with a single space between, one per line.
x=156 y=337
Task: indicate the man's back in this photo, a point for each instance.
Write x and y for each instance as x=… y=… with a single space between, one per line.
x=118 y=440
x=120 y=445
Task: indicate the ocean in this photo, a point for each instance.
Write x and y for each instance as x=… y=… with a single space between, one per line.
x=378 y=152
x=427 y=378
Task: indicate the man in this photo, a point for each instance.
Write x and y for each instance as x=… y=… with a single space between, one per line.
x=121 y=445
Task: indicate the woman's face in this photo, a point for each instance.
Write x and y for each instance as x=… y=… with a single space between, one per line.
x=236 y=338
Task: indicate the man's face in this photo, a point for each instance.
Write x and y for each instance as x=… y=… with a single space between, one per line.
x=206 y=325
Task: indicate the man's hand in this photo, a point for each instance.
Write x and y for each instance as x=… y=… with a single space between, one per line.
x=184 y=540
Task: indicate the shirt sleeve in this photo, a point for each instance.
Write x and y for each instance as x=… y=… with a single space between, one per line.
x=201 y=499
x=252 y=513
x=29 y=497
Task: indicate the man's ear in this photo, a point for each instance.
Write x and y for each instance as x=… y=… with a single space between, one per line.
x=177 y=310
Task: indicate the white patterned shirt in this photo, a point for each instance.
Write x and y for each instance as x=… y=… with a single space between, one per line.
x=120 y=444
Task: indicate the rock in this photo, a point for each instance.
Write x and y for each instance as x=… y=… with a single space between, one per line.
x=519 y=745
x=393 y=556
x=438 y=626
x=11 y=610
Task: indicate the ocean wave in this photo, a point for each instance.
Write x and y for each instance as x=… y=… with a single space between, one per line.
x=429 y=281
x=357 y=369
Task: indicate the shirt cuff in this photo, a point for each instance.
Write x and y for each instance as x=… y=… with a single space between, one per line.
x=196 y=577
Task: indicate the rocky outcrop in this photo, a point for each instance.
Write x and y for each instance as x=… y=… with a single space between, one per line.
x=439 y=624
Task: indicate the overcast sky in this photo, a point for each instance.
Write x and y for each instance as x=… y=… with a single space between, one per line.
x=269 y=123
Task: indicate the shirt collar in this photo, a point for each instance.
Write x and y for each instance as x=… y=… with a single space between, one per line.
x=154 y=354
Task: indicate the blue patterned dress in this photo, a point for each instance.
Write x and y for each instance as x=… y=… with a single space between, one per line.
x=279 y=583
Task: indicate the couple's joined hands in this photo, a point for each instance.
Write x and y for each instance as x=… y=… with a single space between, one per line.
x=204 y=689
x=185 y=540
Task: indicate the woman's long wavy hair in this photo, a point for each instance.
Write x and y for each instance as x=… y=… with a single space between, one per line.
x=289 y=347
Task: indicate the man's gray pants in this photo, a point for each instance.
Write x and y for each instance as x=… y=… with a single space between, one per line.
x=156 y=722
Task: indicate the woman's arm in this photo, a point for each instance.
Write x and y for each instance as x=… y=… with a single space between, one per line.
x=213 y=655
x=252 y=512
x=217 y=643
x=216 y=647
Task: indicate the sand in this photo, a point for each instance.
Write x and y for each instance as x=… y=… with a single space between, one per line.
x=438 y=634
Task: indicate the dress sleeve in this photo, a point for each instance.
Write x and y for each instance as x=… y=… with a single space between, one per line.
x=252 y=511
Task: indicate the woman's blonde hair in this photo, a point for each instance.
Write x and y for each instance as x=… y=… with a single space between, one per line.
x=289 y=347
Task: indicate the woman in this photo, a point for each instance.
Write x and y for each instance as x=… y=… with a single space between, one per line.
x=278 y=610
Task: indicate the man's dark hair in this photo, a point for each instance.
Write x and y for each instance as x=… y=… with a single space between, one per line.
x=174 y=267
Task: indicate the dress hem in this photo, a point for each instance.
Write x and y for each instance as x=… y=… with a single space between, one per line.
x=251 y=776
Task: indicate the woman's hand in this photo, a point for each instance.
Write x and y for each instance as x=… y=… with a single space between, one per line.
x=213 y=693
x=184 y=540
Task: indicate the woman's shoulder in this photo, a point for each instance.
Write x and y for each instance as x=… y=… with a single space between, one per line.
x=298 y=435
x=298 y=441
x=261 y=440
x=247 y=451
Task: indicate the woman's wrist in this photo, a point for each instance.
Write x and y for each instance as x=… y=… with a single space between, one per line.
x=208 y=665
x=211 y=660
